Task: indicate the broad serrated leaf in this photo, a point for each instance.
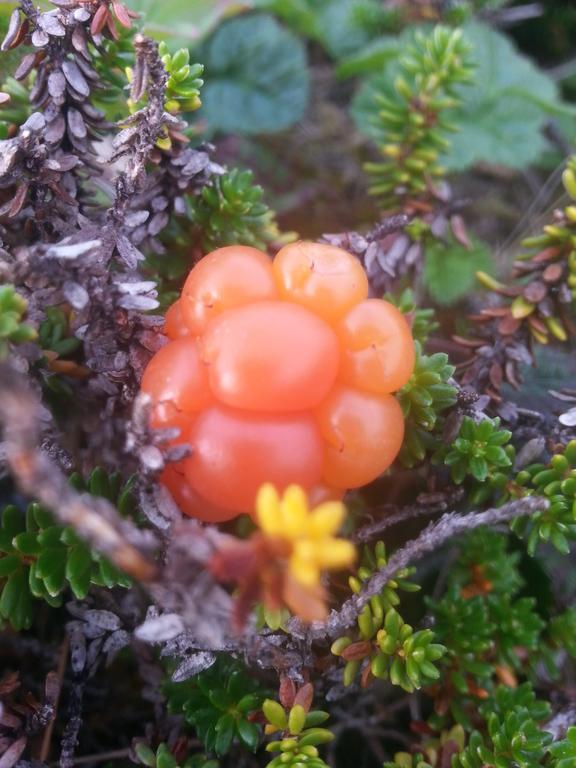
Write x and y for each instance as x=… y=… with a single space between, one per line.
x=504 y=109
x=256 y=77
x=450 y=270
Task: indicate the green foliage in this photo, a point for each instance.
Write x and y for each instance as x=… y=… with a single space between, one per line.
x=459 y=263
x=183 y=23
x=487 y=629
x=504 y=109
x=12 y=329
x=219 y=703
x=562 y=631
x=384 y=642
x=184 y=82
x=408 y=114
x=54 y=333
x=231 y=210
x=15 y=111
x=40 y=559
x=422 y=321
x=340 y=26
x=514 y=740
x=557 y=482
x=480 y=450
x=273 y=618
x=163 y=758
x=564 y=752
x=299 y=734
x=432 y=754
x=257 y=78
x=423 y=399
x=507 y=699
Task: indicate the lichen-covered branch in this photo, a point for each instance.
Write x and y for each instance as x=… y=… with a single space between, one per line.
x=431 y=538
x=95 y=519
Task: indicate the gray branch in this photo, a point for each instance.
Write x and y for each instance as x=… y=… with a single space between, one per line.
x=432 y=537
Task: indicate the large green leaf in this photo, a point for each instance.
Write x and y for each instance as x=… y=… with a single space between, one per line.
x=450 y=270
x=180 y=21
x=256 y=76
x=502 y=112
x=342 y=27
x=504 y=109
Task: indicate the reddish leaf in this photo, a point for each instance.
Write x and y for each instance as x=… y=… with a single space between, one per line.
x=304 y=696
x=121 y=14
x=287 y=692
x=99 y=20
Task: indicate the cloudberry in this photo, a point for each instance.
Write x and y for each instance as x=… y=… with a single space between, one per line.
x=278 y=371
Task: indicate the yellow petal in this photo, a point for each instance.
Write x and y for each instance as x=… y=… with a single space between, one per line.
x=306 y=549
x=336 y=553
x=294 y=506
x=268 y=510
x=327 y=518
x=304 y=571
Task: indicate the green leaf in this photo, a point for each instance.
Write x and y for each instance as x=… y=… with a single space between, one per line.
x=16 y=601
x=8 y=565
x=52 y=569
x=249 y=734
x=27 y=543
x=225 y=729
x=78 y=570
x=450 y=270
x=181 y=22
x=275 y=714
x=256 y=77
x=371 y=58
x=505 y=107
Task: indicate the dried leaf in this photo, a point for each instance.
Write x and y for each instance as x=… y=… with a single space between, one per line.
x=72 y=251
x=75 y=77
x=25 y=67
x=76 y=124
x=193 y=665
x=13 y=29
x=51 y=24
x=121 y=14
x=568 y=419
x=102 y=619
x=57 y=85
x=99 y=20
x=128 y=252
x=18 y=200
x=12 y=754
x=160 y=628
x=40 y=38
x=76 y=295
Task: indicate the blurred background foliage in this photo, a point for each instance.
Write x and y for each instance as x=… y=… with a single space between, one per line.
x=292 y=95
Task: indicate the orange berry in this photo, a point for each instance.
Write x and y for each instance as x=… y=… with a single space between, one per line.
x=325 y=279
x=270 y=356
x=174 y=325
x=377 y=347
x=363 y=435
x=176 y=375
x=228 y=277
x=191 y=503
x=236 y=452
x=165 y=416
x=322 y=493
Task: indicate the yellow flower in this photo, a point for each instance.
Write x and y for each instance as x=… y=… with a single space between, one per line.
x=310 y=533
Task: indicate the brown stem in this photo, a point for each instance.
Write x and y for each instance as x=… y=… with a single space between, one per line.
x=47 y=737
x=94 y=519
